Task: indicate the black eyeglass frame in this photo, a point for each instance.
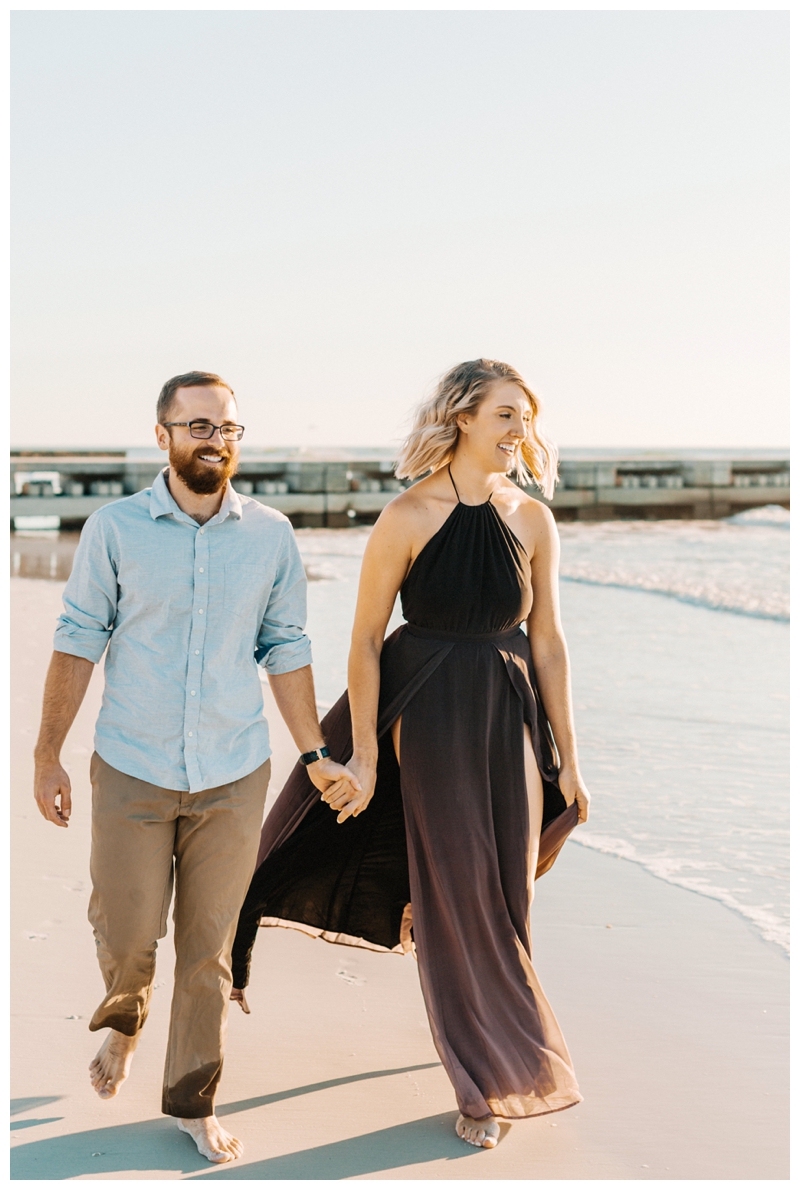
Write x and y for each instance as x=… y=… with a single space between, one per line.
x=201 y=421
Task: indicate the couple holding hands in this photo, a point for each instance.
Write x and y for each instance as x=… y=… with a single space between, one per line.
x=421 y=809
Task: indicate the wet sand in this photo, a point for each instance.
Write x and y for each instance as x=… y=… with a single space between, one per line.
x=676 y=1017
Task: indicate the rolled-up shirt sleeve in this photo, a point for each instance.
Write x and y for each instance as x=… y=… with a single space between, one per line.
x=90 y=596
x=282 y=644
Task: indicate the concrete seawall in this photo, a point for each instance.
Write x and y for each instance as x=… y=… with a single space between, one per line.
x=339 y=488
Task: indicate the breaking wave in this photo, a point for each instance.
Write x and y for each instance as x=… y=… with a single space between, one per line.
x=770 y=925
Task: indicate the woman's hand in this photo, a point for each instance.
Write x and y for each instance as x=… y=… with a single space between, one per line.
x=570 y=782
x=353 y=797
x=328 y=776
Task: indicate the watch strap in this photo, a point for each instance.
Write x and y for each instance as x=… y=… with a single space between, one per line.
x=317 y=754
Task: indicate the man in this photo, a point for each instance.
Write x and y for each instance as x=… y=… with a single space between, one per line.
x=188 y=584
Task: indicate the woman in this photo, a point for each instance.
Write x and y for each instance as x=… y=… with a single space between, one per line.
x=445 y=725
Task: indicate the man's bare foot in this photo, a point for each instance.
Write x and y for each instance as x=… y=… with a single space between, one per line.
x=484 y=1134
x=112 y=1063
x=212 y=1140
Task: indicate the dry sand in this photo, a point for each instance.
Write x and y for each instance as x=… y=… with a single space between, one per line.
x=676 y=1018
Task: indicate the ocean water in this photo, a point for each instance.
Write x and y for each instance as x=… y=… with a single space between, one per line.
x=740 y=564
x=678 y=635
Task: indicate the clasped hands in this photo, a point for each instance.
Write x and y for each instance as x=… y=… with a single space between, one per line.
x=347 y=790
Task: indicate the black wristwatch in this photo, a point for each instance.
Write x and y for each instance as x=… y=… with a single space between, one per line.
x=317 y=754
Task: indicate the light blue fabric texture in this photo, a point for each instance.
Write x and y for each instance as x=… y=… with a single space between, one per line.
x=184 y=609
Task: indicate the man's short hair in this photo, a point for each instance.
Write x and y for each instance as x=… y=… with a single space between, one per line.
x=186 y=380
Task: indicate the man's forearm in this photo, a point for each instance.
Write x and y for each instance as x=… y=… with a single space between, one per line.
x=64 y=690
x=294 y=694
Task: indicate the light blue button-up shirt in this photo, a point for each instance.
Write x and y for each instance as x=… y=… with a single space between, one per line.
x=185 y=610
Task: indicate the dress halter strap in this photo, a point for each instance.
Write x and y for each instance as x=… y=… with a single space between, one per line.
x=455 y=489
x=453 y=482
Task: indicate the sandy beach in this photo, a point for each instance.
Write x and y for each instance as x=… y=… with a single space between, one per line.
x=674 y=1008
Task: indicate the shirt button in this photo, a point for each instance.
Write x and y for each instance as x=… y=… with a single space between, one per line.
x=200 y=612
x=192 y=692
x=197 y=652
x=202 y=531
x=190 y=733
x=201 y=569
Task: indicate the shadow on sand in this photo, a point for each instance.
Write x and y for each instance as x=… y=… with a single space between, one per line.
x=430 y=1139
x=229 y=1109
x=123 y=1148
x=20 y=1105
x=149 y=1145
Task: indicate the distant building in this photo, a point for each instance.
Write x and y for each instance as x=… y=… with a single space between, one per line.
x=335 y=488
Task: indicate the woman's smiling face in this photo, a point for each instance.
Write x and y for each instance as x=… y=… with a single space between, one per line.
x=494 y=431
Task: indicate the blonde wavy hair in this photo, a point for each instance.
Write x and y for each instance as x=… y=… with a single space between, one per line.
x=434 y=435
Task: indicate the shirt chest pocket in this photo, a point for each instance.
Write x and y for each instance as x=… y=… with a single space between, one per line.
x=246 y=588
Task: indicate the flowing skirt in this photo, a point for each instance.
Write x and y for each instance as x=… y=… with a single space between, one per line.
x=438 y=861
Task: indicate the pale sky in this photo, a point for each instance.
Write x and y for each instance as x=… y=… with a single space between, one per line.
x=331 y=208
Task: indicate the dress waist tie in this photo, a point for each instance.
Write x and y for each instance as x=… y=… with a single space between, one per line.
x=469 y=637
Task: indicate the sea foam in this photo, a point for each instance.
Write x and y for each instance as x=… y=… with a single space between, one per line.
x=738 y=565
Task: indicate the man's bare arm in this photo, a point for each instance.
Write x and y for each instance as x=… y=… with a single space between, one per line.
x=294 y=694
x=64 y=690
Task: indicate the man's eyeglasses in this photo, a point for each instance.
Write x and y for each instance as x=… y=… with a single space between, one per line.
x=205 y=429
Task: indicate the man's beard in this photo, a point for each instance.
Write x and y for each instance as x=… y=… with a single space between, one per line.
x=199 y=477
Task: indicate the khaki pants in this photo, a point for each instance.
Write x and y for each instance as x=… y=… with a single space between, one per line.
x=144 y=838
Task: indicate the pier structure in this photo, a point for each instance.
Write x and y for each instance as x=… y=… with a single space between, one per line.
x=53 y=488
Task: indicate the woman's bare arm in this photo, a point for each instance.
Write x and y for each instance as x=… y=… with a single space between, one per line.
x=551 y=658
x=386 y=561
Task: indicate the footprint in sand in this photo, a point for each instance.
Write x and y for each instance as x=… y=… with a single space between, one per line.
x=356 y=980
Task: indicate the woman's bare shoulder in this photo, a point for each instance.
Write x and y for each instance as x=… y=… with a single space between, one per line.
x=533 y=514
x=415 y=501
x=402 y=514
x=537 y=514
x=413 y=515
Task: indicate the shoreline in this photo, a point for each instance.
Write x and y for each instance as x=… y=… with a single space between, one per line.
x=690 y=600
x=676 y=1018
x=718 y=897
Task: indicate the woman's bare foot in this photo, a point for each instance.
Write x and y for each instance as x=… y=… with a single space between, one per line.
x=112 y=1063
x=238 y=996
x=212 y=1140
x=484 y=1134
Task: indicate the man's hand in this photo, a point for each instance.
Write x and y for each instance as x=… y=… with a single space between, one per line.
x=53 y=792
x=332 y=778
x=64 y=688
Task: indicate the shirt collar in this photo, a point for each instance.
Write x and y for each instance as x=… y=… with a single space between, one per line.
x=163 y=503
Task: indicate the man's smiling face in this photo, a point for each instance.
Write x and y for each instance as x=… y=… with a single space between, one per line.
x=204 y=465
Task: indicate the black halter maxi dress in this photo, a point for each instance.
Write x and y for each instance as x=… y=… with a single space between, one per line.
x=441 y=853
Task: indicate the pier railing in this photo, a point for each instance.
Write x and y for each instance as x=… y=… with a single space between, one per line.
x=52 y=488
